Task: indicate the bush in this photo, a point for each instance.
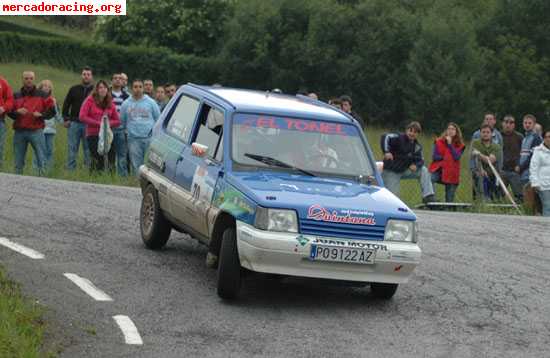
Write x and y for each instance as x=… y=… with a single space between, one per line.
x=159 y=64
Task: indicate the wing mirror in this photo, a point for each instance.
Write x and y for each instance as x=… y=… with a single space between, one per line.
x=199 y=150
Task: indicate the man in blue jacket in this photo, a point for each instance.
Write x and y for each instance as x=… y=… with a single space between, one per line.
x=403 y=159
x=531 y=140
x=139 y=114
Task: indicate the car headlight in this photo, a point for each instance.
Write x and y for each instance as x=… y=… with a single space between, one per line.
x=276 y=220
x=401 y=230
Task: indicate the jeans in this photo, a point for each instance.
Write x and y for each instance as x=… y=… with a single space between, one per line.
x=98 y=161
x=120 y=143
x=49 y=140
x=137 y=148
x=485 y=187
x=545 y=198
x=21 y=139
x=392 y=179
x=2 y=141
x=512 y=178
x=76 y=135
x=450 y=189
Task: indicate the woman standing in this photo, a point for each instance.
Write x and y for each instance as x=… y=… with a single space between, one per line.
x=99 y=104
x=46 y=86
x=539 y=172
x=445 y=167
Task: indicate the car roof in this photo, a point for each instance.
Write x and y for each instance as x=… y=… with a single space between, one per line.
x=251 y=101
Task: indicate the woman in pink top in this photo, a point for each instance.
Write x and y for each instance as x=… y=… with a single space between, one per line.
x=99 y=104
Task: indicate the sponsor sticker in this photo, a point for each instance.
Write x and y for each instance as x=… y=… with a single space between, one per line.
x=355 y=217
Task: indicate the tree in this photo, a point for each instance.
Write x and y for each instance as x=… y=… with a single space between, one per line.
x=445 y=71
x=516 y=82
x=191 y=26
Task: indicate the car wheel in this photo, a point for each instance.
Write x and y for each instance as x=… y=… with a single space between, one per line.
x=229 y=266
x=383 y=290
x=155 y=229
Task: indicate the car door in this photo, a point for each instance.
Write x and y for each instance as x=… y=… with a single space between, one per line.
x=179 y=129
x=199 y=171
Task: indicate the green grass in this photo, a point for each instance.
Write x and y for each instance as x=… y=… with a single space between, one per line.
x=34 y=25
x=62 y=80
x=21 y=324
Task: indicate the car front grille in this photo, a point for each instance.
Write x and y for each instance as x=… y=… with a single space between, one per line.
x=336 y=230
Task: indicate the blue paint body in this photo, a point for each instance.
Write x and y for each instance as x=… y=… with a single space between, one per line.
x=239 y=192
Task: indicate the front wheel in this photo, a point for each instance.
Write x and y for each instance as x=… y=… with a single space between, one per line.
x=384 y=291
x=229 y=266
x=155 y=229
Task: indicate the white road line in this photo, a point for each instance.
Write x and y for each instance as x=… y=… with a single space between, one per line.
x=21 y=249
x=88 y=287
x=129 y=329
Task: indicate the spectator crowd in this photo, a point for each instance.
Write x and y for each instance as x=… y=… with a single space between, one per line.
x=498 y=159
x=130 y=115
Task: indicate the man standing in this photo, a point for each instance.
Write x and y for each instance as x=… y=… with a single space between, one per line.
x=347 y=107
x=6 y=104
x=148 y=88
x=71 y=111
x=139 y=114
x=120 y=142
x=403 y=159
x=170 y=90
x=124 y=78
x=31 y=107
x=531 y=140
x=160 y=98
x=483 y=152
x=511 y=150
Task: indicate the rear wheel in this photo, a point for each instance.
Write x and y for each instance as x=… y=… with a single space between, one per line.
x=155 y=229
x=229 y=266
x=383 y=290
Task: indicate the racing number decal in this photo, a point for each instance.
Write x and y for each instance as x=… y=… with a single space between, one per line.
x=202 y=186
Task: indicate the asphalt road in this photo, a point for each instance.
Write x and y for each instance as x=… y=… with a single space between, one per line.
x=482 y=290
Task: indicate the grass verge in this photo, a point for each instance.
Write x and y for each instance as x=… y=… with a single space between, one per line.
x=34 y=25
x=21 y=324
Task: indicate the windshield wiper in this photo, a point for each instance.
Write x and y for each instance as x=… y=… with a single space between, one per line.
x=276 y=163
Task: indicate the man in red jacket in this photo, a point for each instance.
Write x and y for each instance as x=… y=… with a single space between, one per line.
x=6 y=104
x=31 y=108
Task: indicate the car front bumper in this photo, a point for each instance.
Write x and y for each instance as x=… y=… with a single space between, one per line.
x=289 y=254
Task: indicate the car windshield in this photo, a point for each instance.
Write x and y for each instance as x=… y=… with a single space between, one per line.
x=307 y=145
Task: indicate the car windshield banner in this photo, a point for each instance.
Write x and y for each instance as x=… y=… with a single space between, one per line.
x=294 y=124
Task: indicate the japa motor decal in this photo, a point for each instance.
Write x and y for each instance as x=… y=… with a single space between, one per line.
x=318 y=213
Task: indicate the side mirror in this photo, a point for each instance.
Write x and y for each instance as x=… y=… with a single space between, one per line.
x=199 y=150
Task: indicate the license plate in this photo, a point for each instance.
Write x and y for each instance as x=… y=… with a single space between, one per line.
x=342 y=254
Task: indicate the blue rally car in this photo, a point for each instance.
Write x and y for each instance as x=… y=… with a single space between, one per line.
x=275 y=184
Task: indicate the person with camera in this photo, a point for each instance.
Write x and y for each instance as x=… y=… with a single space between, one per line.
x=96 y=108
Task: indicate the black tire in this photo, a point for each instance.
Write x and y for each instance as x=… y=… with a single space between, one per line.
x=384 y=291
x=229 y=266
x=155 y=229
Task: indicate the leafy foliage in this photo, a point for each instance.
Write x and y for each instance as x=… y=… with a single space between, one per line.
x=190 y=26
x=431 y=60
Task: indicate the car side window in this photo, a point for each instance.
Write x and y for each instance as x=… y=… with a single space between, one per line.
x=183 y=116
x=210 y=131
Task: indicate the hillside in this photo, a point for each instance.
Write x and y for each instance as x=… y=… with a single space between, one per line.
x=34 y=25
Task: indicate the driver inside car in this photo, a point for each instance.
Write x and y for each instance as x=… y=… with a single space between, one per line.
x=323 y=156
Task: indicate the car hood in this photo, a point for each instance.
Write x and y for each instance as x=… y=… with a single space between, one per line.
x=314 y=197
